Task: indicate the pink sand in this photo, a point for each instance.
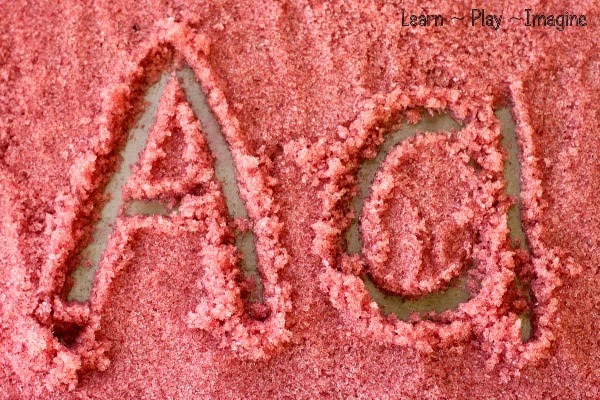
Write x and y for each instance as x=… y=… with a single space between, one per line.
x=304 y=92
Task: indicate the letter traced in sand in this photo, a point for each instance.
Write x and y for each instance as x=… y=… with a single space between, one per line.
x=174 y=188
x=435 y=219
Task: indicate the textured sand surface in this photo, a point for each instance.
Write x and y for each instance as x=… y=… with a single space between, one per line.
x=304 y=93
